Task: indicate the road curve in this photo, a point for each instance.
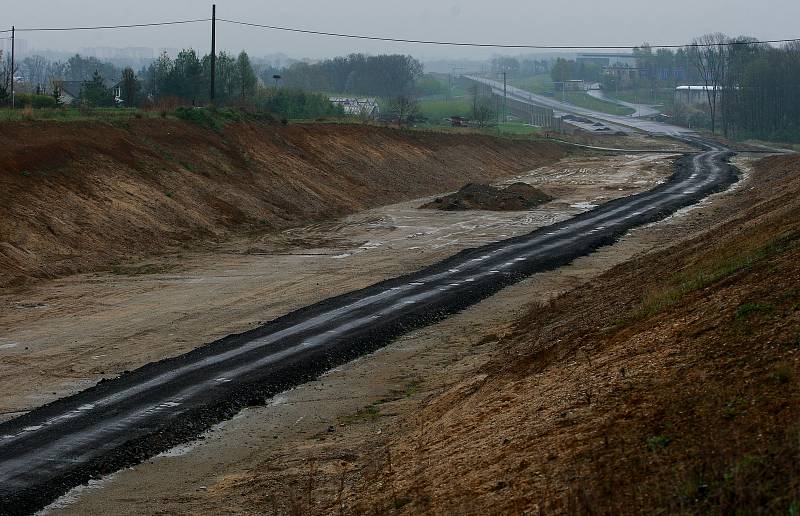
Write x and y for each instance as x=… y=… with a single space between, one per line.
x=121 y=422
x=527 y=97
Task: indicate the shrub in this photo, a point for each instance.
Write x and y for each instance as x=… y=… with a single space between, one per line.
x=36 y=101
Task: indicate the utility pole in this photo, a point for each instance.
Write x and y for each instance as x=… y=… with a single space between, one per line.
x=505 y=96
x=213 y=50
x=13 y=34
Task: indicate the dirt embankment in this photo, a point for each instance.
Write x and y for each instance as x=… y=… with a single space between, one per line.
x=669 y=385
x=81 y=196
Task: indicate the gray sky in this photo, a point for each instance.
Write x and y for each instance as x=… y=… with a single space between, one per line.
x=609 y=22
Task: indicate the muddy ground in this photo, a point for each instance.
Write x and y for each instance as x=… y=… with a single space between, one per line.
x=146 y=312
x=59 y=337
x=351 y=439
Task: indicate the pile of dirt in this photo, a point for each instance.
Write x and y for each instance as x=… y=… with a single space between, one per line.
x=83 y=196
x=474 y=196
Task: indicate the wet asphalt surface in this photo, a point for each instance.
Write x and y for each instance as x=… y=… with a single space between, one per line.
x=121 y=422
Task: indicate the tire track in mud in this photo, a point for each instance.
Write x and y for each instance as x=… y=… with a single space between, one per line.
x=120 y=422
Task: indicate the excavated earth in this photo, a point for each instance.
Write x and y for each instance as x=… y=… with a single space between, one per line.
x=448 y=430
x=86 y=196
x=473 y=196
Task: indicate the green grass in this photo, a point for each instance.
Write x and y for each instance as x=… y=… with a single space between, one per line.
x=699 y=277
x=658 y=442
x=749 y=309
x=541 y=84
x=584 y=100
x=364 y=415
x=516 y=128
x=76 y=115
x=660 y=96
x=691 y=282
x=436 y=110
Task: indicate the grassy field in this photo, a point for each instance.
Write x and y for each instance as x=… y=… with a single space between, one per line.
x=436 y=110
x=542 y=84
x=582 y=99
x=663 y=97
x=516 y=128
x=75 y=114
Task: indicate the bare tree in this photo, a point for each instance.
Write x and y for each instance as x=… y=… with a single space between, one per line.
x=406 y=108
x=482 y=110
x=709 y=54
x=6 y=76
x=35 y=70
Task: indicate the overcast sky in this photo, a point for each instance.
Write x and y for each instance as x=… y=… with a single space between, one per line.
x=573 y=22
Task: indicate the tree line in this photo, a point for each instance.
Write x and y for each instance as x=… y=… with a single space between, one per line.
x=356 y=74
x=751 y=87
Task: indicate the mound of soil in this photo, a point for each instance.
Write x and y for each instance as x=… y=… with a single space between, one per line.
x=85 y=196
x=474 y=196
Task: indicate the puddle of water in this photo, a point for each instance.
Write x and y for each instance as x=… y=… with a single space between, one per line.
x=583 y=206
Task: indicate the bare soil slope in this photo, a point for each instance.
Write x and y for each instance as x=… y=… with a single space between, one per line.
x=669 y=385
x=81 y=196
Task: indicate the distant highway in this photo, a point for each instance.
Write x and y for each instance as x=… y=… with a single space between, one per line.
x=527 y=97
x=640 y=110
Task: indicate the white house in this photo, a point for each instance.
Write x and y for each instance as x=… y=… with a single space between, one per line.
x=695 y=95
x=360 y=107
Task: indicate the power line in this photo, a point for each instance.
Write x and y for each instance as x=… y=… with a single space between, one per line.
x=399 y=40
x=495 y=45
x=100 y=27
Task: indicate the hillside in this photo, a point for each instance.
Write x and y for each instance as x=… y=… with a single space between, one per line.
x=668 y=385
x=82 y=196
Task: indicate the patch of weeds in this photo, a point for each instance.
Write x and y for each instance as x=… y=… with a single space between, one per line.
x=742 y=464
x=783 y=373
x=188 y=166
x=211 y=118
x=749 y=309
x=658 y=443
x=170 y=195
x=691 y=283
x=25 y=173
x=401 y=502
x=413 y=387
x=733 y=408
x=364 y=415
x=794 y=508
x=719 y=269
